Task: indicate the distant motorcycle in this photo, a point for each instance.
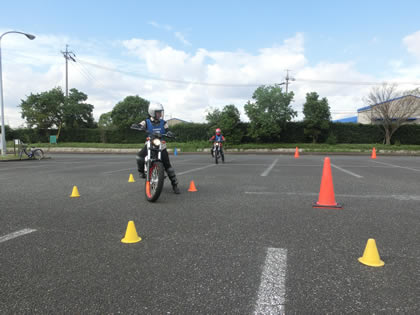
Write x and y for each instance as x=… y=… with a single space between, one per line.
x=217 y=145
x=153 y=165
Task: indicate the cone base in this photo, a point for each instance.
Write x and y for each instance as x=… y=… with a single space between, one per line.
x=336 y=206
x=136 y=240
x=378 y=264
x=74 y=196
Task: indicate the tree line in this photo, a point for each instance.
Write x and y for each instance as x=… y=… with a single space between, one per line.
x=268 y=111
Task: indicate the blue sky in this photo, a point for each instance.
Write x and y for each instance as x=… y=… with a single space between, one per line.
x=214 y=41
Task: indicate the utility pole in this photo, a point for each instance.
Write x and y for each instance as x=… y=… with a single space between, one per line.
x=288 y=79
x=68 y=55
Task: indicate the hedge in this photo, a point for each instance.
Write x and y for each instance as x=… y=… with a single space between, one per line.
x=293 y=133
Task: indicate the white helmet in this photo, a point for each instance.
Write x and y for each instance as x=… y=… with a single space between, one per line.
x=155 y=107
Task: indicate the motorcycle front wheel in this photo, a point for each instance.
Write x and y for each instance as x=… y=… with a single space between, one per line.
x=154 y=187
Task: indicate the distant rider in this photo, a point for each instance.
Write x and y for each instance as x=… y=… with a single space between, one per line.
x=218 y=137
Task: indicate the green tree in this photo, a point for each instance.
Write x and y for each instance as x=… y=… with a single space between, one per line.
x=317 y=115
x=227 y=120
x=51 y=108
x=77 y=113
x=43 y=110
x=105 y=120
x=131 y=110
x=269 y=112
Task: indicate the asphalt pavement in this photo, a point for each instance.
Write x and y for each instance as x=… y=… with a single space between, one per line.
x=247 y=242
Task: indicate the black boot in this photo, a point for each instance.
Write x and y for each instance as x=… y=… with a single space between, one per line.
x=176 y=189
x=173 y=179
x=140 y=166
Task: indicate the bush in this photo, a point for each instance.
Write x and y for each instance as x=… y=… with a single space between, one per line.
x=331 y=139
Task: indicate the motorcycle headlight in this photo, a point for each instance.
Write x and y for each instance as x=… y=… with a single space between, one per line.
x=156 y=142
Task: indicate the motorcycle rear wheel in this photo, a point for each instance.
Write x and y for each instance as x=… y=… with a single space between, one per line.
x=38 y=154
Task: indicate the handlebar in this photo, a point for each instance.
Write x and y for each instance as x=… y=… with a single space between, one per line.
x=139 y=128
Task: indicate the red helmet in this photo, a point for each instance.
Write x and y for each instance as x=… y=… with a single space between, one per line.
x=218 y=131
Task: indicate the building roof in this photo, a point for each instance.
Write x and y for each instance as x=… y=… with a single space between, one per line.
x=352 y=119
x=177 y=119
x=394 y=99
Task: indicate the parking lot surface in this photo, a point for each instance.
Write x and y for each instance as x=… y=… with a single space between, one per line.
x=248 y=241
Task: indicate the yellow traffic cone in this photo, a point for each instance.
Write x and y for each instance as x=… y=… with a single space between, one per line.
x=131 y=179
x=75 y=192
x=371 y=255
x=131 y=234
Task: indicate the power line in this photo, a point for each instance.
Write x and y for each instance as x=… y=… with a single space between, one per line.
x=76 y=67
x=136 y=74
x=296 y=80
x=288 y=78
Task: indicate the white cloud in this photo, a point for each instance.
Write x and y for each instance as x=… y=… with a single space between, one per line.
x=160 y=26
x=412 y=43
x=36 y=66
x=181 y=37
x=178 y=35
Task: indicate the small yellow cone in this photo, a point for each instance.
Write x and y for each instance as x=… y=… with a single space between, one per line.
x=131 y=234
x=371 y=255
x=131 y=179
x=75 y=192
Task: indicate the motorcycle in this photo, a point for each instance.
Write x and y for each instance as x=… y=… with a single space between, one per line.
x=153 y=165
x=217 y=146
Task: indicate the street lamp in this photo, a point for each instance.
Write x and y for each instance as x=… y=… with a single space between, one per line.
x=3 y=129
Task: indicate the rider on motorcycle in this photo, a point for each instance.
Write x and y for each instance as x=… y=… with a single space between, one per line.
x=156 y=124
x=219 y=138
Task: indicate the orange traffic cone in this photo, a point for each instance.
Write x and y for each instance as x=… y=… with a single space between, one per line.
x=326 y=197
x=192 y=187
x=373 y=153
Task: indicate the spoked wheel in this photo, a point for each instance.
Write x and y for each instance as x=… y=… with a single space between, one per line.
x=154 y=187
x=38 y=154
x=216 y=156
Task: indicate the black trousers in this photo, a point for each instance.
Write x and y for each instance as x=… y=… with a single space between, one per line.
x=141 y=155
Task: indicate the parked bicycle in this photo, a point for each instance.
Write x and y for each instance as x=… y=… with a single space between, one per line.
x=32 y=153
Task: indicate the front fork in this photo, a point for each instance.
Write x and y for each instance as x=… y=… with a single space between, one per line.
x=149 y=160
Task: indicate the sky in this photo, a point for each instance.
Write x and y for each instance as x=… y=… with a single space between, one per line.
x=196 y=56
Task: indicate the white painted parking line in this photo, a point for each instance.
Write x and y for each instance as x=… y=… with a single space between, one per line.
x=272 y=291
x=265 y=173
x=346 y=171
x=116 y=171
x=180 y=161
x=397 y=166
x=15 y=234
x=196 y=169
x=25 y=167
x=368 y=196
